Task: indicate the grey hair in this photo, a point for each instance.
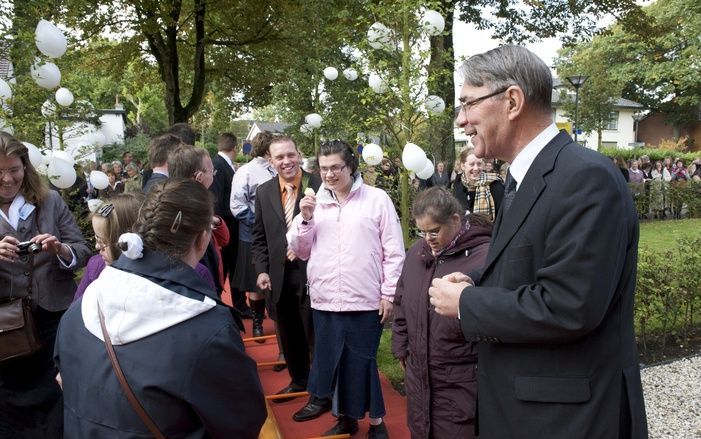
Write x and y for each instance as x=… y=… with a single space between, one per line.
x=511 y=65
x=131 y=166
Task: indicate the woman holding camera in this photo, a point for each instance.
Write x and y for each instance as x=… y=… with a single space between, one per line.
x=40 y=249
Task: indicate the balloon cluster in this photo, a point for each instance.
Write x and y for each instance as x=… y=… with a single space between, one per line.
x=52 y=43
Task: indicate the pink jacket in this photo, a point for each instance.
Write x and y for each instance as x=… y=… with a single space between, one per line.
x=355 y=249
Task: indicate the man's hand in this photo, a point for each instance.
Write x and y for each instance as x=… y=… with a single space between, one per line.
x=386 y=308
x=445 y=296
x=458 y=277
x=263 y=282
x=307 y=205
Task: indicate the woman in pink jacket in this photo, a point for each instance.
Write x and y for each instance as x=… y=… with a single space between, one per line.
x=351 y=236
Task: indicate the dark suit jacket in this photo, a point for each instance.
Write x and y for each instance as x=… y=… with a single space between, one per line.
x=221 y=188
x=554 y=306
x=269 y=246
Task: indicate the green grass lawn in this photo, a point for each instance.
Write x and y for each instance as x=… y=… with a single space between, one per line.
x=656 y=235
x=660 y=235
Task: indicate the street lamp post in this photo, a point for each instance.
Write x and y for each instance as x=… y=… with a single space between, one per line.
x=577 y=82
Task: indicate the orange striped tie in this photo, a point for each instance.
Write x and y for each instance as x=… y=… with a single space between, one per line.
x=290 y=199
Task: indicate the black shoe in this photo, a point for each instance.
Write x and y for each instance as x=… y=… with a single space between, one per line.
x=280 y=367
x=258 y=329
x=344 y=425
x=314 y=408
x=378 y=432
x=258 y=308
x=292 y=388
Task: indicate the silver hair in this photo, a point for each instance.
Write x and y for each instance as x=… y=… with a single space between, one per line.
x=132 y=166
x=511 y=65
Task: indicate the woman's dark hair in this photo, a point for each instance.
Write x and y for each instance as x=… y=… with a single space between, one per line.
x=261 y=144
x=342 y=148
x=438 y=203
x=34 y=189
x=173 y=214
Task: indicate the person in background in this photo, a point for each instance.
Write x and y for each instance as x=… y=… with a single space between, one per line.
x=114 y=187
x=30 y=400
x=119 y=171
x=431 y=348
x=489 y=166
x=187 y=161
x=184 y=132
x=351 y=237
x=221 y=188
x=179 y=347
x=477 y=191
x=456 y=173
x=441 y=176
x=387 y=179
x=158 y=150
x=134 y=182
x=243 y=206
x=623 y=167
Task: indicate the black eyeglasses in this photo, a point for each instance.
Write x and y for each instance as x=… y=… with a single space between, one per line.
x=467 y=105
x=335 y=169
x=105 y=210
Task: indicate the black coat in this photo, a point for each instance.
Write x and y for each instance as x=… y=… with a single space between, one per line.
x=440 y=377
x=553 y=309
x=189 y=372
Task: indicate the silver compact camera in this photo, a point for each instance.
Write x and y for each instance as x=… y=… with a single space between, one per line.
x=28 y=247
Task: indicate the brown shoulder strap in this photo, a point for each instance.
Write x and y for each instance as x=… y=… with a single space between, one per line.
x=138 y=408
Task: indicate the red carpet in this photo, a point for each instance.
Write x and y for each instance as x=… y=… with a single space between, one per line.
x=289 y=429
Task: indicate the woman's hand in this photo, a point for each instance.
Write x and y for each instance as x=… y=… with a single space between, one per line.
x=386 y=308
x=50 y=243
x=307 y=206
x=8 y=248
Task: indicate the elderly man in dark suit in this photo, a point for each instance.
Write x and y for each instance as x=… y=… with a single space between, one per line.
x=278 y=269
x=553 y=305
x=221 y=188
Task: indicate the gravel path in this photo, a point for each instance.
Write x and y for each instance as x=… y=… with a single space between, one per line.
x=673 y=399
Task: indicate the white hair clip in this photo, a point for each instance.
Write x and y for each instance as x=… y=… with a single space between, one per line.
x=132 y=245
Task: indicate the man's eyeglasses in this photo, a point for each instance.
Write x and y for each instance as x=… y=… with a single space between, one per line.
x=432 y=234
x=105 y=210
x=468 y=105
x=204 y=171
x=335 y=169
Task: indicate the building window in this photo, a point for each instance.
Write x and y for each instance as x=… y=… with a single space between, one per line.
x=612 y=122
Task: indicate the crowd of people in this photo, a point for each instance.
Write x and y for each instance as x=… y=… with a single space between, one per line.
x=505 y=294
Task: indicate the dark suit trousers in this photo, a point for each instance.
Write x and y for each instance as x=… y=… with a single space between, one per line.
x=294 y=322
x=228 y=259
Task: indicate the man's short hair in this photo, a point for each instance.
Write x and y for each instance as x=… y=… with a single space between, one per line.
x=261 y=144
x=226 y=142
x=159 y=148
x=511 y=65
x=183 y=131
x=185 y=161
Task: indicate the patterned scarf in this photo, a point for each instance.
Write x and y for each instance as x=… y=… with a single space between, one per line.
x=484 y=202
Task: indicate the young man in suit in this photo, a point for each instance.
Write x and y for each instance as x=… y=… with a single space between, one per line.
x=221 y=188
x=553 y=305
x=280 y=273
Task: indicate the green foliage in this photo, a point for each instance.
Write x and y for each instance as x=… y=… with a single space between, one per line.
x=653 y=153
x=137 y=145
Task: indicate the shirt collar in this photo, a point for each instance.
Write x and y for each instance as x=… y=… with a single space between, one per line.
x=226 y=158
x=523 y=161
x=20 y=209
x=295 y=181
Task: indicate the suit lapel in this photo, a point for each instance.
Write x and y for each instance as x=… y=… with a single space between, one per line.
x=276 y=199
x=528 y=193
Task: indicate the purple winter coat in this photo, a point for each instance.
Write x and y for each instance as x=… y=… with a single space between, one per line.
x=440 y=379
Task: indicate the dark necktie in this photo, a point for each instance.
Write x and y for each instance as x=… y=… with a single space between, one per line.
x=509 y=193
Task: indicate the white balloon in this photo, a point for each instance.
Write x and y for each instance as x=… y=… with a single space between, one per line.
x=377 y=84
x=413 y=157
x=61 y=174
x=331 y=73
x=99 y=180
x=350 y=74
x=46 y=75
x=434 y=104
x=46 y=157
x=314 y=120
x=35 y=157
x=305 y=128
x=427 y=171
x=65 y=156
x=379 y=36
x=5 y=91
x=43 y=169
x=434 y=22
x=50 y=40
x=64 y=97
x=372 y=154
x=48 y=109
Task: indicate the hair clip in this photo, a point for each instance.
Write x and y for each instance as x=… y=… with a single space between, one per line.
x=131 y=245
x=105 y=210
x=176 y=222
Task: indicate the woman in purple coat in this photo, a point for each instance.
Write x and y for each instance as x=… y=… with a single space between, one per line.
x=440 y=380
